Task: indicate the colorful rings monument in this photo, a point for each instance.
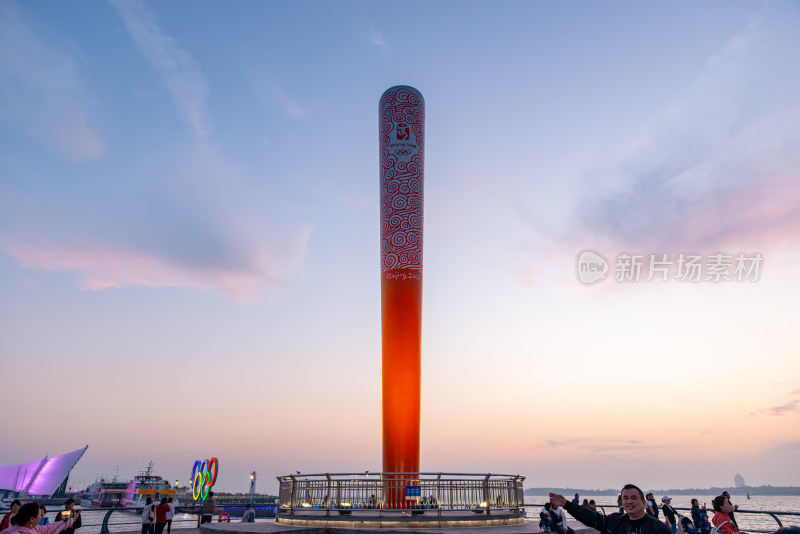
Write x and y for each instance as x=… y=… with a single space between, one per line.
x=204 y=475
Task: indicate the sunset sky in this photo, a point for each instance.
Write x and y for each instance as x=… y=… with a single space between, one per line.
x=189 y=237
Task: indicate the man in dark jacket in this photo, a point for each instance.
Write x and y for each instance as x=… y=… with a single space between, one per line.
x=69 y=504
x=632 y=521
x=670 y=515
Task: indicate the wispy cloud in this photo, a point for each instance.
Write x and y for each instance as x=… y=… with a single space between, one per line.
x=288 y=104
x=592 y=444
x=42 y=89
x=104 y=265
x=196 y=225
x=184 y=79
x=377 y=39
x=791 y=407
x=721 y=167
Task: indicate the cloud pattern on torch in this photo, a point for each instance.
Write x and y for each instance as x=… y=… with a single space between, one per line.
x=402 y=143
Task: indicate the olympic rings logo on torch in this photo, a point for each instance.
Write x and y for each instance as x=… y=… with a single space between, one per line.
x=204 y=475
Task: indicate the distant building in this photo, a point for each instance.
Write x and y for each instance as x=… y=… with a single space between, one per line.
x=738 y=481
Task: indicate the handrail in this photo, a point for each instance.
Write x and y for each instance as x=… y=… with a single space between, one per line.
x=772 y=513
x=99 y=520
x=384 y=473
x=344 y=493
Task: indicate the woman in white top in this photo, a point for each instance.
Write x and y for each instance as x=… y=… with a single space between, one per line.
x=170 y=514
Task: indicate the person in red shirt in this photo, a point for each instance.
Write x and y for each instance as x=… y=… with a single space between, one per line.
x=7 y=518
x=161 y=515
x=721 y=519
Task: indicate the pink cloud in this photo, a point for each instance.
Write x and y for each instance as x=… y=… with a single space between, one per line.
x=748 y=216
x=104 y=266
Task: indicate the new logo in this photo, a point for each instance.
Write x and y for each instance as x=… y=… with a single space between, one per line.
x=591 y=267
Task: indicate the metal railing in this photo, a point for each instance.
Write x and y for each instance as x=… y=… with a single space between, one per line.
x=745 y=518
x=344 y=493
x=129 y=519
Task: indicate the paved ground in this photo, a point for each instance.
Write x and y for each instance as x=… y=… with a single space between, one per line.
x=530 y=527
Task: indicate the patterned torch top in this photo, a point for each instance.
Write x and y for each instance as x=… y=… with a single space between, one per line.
x=402 y=148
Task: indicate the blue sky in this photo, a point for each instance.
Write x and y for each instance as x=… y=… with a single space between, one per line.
x=189 y=235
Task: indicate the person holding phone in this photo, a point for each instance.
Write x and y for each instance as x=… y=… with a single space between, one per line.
x=70 y=512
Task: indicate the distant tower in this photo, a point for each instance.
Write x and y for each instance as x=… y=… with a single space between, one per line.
x=738 y=481
x=253 y=484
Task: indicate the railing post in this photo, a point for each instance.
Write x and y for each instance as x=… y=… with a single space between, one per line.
x=328 y=495
x=291 y=499
x=486 y=496
x=775 y=517
x=104 y=527
x=439 y=494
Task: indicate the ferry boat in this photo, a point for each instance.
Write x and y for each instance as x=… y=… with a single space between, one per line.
x=105 y=494
x=147 y=484
x=133 y=493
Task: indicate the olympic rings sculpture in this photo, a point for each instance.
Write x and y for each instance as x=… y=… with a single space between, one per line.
x=204 y=475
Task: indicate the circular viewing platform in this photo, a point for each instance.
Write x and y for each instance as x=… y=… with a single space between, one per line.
x=400 y=500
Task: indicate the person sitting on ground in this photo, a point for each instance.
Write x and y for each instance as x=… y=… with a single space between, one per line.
x=545 y=520
x=27 y=522
x=687 y=527
x=704 y=526
x=69 y=511
x=670 y=515
x=560 y=517
x=249 y=515
x=632 y=521
x=6 y=522
x=722 y=521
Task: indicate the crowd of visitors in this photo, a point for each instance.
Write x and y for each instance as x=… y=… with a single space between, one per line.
x=639 y=514
x=30 y=518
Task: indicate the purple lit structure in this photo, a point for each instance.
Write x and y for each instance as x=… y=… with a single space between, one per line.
x=42 y=478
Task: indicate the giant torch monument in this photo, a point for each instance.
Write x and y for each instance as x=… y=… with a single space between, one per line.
x=401 y=496
x=402 y=160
